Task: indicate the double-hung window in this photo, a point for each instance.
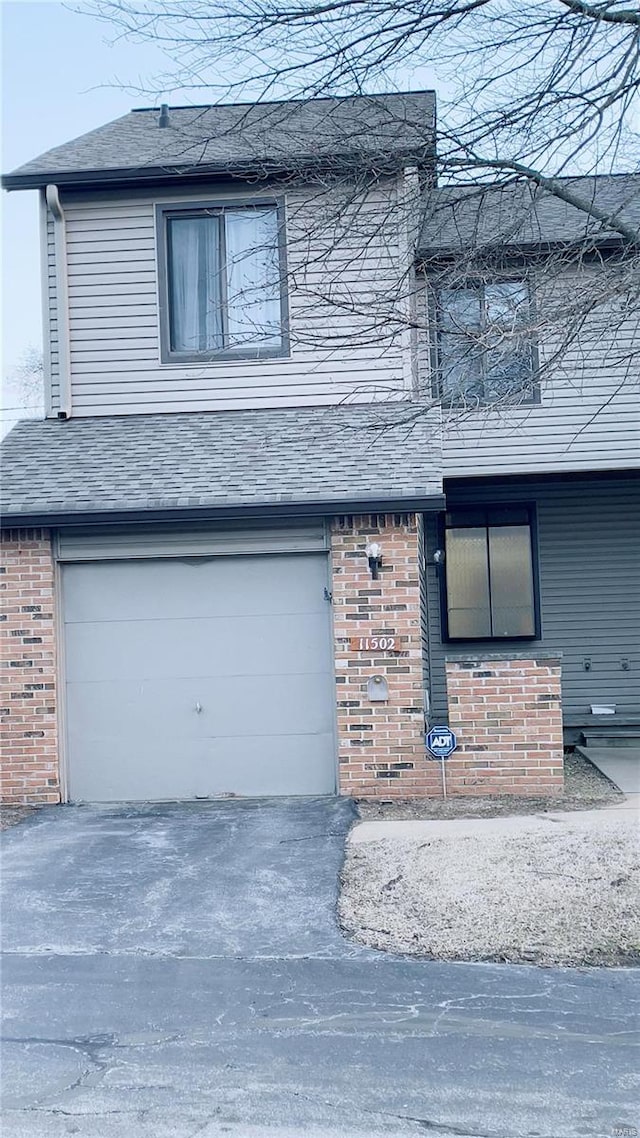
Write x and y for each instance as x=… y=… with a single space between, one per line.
x=485 y=345
x=490 y=581
x=223 y=287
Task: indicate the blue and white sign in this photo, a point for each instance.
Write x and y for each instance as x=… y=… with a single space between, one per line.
x=441 y=741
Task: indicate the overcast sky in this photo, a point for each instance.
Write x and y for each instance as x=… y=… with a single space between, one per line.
x=60 y=77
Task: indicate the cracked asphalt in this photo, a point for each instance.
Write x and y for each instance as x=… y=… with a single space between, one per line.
x=177 y=970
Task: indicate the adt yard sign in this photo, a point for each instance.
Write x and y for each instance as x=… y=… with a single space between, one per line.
x=442 y=742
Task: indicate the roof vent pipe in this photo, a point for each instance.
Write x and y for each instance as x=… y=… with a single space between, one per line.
x=164 y=115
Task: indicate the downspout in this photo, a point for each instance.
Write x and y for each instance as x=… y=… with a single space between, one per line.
x=62 y=299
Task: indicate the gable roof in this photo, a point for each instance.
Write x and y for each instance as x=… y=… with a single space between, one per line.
x=315 y=459
x=238 y=138
x=520 y=214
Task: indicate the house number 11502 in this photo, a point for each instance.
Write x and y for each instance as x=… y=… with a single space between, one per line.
x=373 y=644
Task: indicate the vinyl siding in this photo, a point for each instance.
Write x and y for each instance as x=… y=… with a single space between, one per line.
x=589 y=561
x=587 y=416
x=345 y=266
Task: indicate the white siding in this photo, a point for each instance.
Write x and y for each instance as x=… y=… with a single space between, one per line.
x=345 y=266
x=588 y=416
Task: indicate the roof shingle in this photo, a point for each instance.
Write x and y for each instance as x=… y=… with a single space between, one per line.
x=387 y=128
x=219 y=460
x=476 y=217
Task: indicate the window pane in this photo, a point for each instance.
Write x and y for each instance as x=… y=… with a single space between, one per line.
x=194 y=284
x=467 y=574
x=507 y=303
x=460 y=309
x=511 y=581
x=508 y=357
x=253 y=278
x=460 y=355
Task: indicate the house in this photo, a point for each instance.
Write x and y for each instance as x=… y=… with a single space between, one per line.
x=317 y=469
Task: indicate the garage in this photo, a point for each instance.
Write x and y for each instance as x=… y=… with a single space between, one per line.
x=197 y=665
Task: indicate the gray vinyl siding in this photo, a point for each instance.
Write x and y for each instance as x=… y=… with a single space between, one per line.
x=587 y=416
x=589 y=566
x=335 y=354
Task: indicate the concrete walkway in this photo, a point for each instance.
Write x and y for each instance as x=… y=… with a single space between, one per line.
x=172 y=971
x=379 y=829
x=620 y=764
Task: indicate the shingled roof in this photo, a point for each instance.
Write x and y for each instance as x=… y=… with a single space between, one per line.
x=227 y=462
x=386 y=129
x=476 y=217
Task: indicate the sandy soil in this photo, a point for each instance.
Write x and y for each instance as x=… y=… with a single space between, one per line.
x=547 y=890
x=585 y=789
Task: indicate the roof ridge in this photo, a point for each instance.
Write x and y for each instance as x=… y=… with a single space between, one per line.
x=285 y=102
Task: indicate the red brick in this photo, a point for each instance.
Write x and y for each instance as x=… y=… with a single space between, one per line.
x=29 y=732
x=499 y=719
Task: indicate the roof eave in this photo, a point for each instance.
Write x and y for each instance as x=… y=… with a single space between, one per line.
x=425 y=256
x=397 y=503
x=90 y=179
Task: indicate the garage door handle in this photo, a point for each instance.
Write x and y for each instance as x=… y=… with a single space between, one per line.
x=198 y=708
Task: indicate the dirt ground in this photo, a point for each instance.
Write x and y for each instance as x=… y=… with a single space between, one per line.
x=585 y=789
x=11 y=815
x=557 y=889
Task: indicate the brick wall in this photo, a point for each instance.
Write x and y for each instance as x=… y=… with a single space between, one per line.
x=28 y=723
x=508 y=719
x=380 y=744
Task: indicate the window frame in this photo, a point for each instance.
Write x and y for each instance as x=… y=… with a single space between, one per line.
x=530 y=508
x=186 y=209
x=480 y=281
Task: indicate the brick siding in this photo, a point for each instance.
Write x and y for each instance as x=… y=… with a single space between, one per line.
x=381 y=751
x=508 y=719
x=28 y=721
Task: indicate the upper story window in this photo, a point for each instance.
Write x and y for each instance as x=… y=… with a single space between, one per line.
x=484 y=339
x=222 y=282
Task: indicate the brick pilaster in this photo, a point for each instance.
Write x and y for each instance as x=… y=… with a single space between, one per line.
x=508 y=719
x=380 y=744
x=28 y=720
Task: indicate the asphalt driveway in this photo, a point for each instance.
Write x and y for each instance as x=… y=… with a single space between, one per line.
x=177 y=970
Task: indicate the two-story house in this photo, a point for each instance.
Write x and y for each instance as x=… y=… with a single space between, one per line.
x=293 y=499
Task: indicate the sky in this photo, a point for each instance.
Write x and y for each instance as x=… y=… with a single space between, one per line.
x=61 y=76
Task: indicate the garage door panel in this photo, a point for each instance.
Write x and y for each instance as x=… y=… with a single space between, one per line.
x=223 y=586
x=156 y=709
x=147 y=649
x=244 y=639
x=187 y=770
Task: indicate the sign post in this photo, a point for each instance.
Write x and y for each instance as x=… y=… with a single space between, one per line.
x=441 y=742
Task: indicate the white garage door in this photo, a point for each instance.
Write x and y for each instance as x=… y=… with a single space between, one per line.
x=198 y=677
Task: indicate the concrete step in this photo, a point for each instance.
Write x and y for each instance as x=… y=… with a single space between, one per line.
x=611 y=737
x=621 y=765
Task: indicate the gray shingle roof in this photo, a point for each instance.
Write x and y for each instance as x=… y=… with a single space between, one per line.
x=227 y=460
x=240 y=137
x=520 y=214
